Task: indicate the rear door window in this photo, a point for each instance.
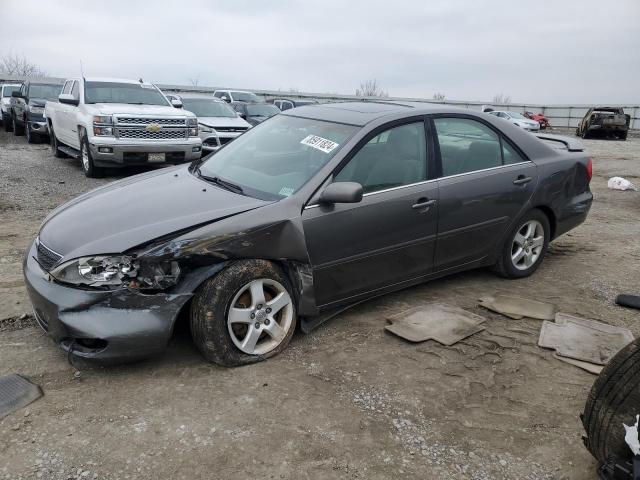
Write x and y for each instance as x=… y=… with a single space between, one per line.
x=510 y=154
x=466 y=145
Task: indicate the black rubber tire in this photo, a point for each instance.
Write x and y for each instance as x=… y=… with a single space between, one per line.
x=31 y=137
x=6 y=121
x=90 y=171
x=626 y=300
x=17 y=130
x=623 y=136
x=210 y=306
x=614 y=399
x=504 y=266
x=55 y=145
x=585 y=134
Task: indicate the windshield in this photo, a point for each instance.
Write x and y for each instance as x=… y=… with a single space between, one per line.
x=246 y=97
x=8 y=90
x=45 y=91
x=206 y=107
x=515 y=115
x=113 y=92
x=277 y=157
x=262 y=110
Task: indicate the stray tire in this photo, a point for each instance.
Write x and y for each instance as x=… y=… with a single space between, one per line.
x=55 y=145
x=244 y=314
x=614 y=399
x=88 y=167
x=525 y=246
x=17 y=130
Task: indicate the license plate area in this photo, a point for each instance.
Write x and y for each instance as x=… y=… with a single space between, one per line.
x=156 y=157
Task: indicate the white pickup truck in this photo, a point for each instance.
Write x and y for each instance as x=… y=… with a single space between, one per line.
x=119 y=123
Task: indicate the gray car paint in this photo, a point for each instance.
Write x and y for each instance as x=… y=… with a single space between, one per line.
x=320 y=247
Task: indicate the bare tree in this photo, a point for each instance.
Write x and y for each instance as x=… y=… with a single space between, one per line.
x=20 y=66
x=370 y=88
x=194 y=81
x=438 y=96
x=501 y=99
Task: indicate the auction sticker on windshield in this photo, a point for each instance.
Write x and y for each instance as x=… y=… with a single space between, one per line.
x=319 y=143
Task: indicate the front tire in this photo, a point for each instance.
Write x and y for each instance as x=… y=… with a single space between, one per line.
x=86 y=159
x=31 y=137
x=6 y=121
x=525 y=246
x=55 y=145
x=244 y=314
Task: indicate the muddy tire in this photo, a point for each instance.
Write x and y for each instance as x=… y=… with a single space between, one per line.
x=6 y=121
x=17 y=130
x=55 y=145
x=525 y=246
x=244 y=314
x=614 y=399
x=31 y=137
x=86 y=161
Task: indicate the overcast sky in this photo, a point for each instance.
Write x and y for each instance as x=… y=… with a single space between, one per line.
x=542 y=51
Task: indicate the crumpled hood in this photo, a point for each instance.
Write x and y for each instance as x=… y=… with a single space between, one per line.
x=124 y=214
x=214 y=122
x=126 y=109
x=38 y=102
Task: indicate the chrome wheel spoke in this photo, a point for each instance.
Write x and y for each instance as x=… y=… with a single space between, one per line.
x=257 y=293
x=516 y=257
x=275 y=331
x=279 y=302
x=519 y=239
x=240 y=315
x=251 y=339
x=537 y=242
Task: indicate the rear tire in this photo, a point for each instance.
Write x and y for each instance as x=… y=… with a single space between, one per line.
x=55 y=145
x=525 y=246
x=231 y=325
x=86 y=160
x=614 y=399
x=17 y=129
x=6 y=121
x=585 y=133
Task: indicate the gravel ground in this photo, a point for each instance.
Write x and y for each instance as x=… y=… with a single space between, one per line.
x=347 y=401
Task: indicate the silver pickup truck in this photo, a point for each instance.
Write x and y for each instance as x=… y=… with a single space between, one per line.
x=119 y=123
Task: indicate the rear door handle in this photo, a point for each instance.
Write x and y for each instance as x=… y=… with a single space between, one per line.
x=423 y=203
x=522 y=180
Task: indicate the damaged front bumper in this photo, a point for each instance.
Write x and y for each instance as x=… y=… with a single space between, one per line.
x=103 y=325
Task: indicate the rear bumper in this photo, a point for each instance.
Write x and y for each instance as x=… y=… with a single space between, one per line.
x=574 y=213
x=111 y=326
x=109 y=152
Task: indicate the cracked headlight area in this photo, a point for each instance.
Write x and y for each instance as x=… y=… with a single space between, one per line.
x=116 y=271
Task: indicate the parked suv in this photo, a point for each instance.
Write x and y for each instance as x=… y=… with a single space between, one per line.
x=5 y=100
x=238 y=96
x=118 y=123
x=218 y=123
x=604 y=121
x=26 y=108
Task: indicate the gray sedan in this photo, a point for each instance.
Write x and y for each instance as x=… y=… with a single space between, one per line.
x=309 y=212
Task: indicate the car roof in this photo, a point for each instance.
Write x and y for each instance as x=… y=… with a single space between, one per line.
x=111 y=80
x=191 y=96
x=363 y=112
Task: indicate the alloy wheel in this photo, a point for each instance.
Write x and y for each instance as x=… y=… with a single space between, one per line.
x=527 y=245
x=260 y=316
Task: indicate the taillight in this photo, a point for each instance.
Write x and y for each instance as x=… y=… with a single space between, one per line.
x=589 y=169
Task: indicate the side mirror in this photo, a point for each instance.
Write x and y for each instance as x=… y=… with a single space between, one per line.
x=175 y=103
x=341 y=192
x=16 y=94
x=225 y=98
x=68 y=99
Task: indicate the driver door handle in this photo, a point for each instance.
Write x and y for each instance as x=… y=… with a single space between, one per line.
x=522 y=180
x=423 y=203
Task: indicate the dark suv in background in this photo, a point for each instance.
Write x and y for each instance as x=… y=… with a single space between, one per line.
x=254 y=113
x=26 y=108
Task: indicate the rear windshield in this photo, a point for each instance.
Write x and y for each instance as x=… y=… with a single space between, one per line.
x=131 y=93
x=45 y=91
x=206 y=107
x=266 y=110
x=246 y=97
x=8 y=90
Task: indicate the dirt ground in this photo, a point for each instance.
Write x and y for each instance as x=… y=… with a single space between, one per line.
x=347 y=401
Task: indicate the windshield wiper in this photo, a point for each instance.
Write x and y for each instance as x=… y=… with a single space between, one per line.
x=232 y=187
